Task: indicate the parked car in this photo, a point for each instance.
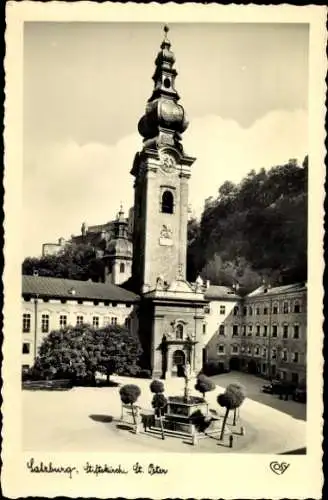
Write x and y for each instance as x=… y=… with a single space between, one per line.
x=281 y=388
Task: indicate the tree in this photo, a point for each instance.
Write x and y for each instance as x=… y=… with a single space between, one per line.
x=253 y=230
x=159 y=401
x=75 y=261
x=81 y=351
x=204 y=384
x=240 y=391
x=229 y=400
x=65 y=353
x=116 y=350
x=129 y=394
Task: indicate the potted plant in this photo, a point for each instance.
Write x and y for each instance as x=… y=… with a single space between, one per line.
x=159 y=401
x=230 y=400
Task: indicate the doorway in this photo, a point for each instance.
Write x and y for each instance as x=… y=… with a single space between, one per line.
x=179 y=360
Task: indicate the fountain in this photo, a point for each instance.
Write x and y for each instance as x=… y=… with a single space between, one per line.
x=183 y=412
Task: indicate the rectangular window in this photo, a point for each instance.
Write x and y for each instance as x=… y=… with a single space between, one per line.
x=284 y=355
x=250 y=330
x=235 y=349
x=265 y=330
x=295 y=357
x=235 y=311
x=283 y=375
x=244 y=311
x=106 y=320
x=296 y=332
x=257 y=311
x=258 y=330
x=297 y=308
x=79 y=320
x=274 y=330
x=26 y=348
x=274 y=354
x=222 y=309
x=221 y=330
x=220 y=348
x=256 y=351
x=285 y=332
x=265 y=310
x=45 y=323
x=234 y=330
x=95 y=321
x=295 y=378
x=250 y=311
x=62 y=321
x=114 y=321
x=275 y=309
x=244 y=330
x=26 y=322
x=264 y=352
x=286 y=308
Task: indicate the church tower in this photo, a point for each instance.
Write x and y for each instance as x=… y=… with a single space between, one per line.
x=161 y=172
x=171 y=310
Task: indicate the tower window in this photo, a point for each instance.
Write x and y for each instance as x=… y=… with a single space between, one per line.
x=167 y=83
x=122 y=267
x=167 y=202
x=179 y=331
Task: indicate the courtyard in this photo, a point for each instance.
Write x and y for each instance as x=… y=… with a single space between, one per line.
x=253 y=387
x=88 y=419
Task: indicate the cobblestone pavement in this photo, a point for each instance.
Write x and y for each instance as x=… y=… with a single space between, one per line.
x=88 y=419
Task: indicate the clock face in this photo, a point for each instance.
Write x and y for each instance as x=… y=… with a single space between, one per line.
x=168 y=163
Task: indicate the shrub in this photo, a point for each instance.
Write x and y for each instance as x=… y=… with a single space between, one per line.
x=204 y=384
x=159 y=402
x=129 y=394
x=156 y=386
x=231 y=400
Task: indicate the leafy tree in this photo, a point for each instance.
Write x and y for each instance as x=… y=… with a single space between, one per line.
x=66 y=354
x=159 y=402
x=204 y=384
x=240 y=391
x=116 y=350
x=230 y=400
x=75 y=261
x=129 y=394
x=254 y=230
x=81 y=351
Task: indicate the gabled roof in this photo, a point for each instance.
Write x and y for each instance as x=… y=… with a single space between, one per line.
x=265 y=290
x=74 y=289
x=221 y=292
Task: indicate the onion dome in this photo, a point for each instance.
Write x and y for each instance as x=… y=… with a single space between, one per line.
x=164 y=119
x=120 y=245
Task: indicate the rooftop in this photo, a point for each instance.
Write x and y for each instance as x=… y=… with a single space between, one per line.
x=266 y=290
x=221 y=292
x=74 y=289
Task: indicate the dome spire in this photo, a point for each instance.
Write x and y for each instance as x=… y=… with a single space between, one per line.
x=164 y=119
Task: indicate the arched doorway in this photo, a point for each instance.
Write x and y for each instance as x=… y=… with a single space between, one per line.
x=179 y=360
x=234 y=364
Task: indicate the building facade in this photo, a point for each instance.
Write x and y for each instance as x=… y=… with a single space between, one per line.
x=265 y=334
x=53 y=303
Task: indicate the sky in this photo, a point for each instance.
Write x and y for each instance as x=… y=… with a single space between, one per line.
x=244 y=88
